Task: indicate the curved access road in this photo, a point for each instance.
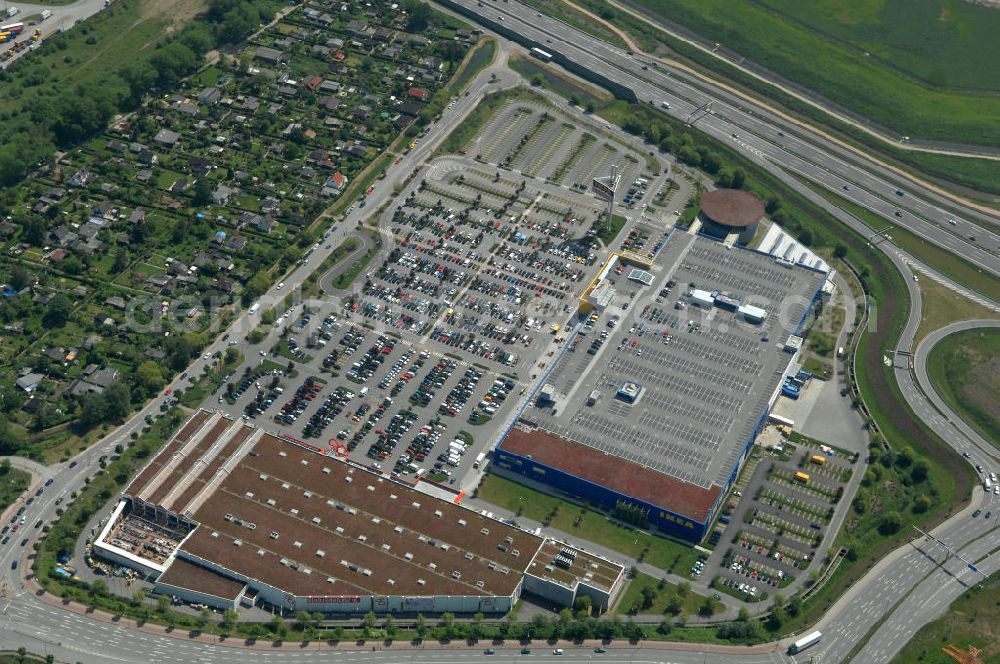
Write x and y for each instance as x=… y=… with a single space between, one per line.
x=920 y=357
x=326 y=281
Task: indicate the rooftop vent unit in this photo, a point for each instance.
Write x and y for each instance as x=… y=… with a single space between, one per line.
x=408 y=556
x=263 y=476
x=462 y=522
x=307 y=494
x=297 y=544
x=326 y=471
x=348 y=479
x=321 y=553
x=282 y=453
x=274 y=535
x=316 y=520
x=286 y=485
x=272 y=502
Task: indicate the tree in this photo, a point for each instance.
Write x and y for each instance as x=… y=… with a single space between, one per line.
x=34 y=229
x=121 y=261
x=19 y=278
x=419 y=15
x=162 y=603
x=421 y=626
x=369 y=621
x=149 y=376
x=738 y=180
x=230 y=616
x=201 y=193
x=203 y=616
x=117 y=402
x=92 y=409
x=277 y=626
x=5 y=467
x=891 y=523
x=302 y=619
x=98 y=587
x=648 y=597
x=840 y=251
x=58 y=311
x=390 y=627
x=919 y=471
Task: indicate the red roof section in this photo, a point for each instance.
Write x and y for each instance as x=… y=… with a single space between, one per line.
x=417 y=93
x=625 y=477
x=732 y=207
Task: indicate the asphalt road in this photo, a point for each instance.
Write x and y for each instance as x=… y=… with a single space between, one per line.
x=796 y=149
x=906 y=589
x=63 y=18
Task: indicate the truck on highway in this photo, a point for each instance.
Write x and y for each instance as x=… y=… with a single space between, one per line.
x=6 y=36
x=806 y=641
x=46 y=14
x=13 y=11
x=544 y=56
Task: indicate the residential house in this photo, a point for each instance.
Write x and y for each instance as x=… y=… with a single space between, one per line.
x=271 y=56
x=79 y=179
x=222 y=194
x=209 y=95
x=335 y=184
x=166 y=137
x=29 y=381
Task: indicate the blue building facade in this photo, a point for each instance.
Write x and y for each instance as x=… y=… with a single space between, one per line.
x=671 y=523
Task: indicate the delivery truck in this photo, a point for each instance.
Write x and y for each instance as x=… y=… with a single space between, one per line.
x=806 y=641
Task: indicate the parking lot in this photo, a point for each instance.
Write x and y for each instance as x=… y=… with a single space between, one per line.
x=419 y=365
x=778 y=520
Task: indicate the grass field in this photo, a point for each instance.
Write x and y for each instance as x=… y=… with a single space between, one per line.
x=921 y=67
x=13 y=482
x=668 y=598
x=965 y=370
x=587 y=524
x=970 y=620
x=942 y=305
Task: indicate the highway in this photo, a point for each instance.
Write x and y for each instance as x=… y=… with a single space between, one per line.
x=759 y=134
x=905 y=590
